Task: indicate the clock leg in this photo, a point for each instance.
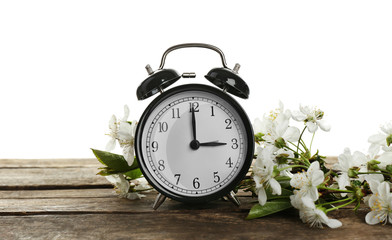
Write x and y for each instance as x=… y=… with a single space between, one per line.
x=158 y=201
x=232 y=197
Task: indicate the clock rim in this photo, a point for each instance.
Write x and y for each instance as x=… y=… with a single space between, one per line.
x=249 y=152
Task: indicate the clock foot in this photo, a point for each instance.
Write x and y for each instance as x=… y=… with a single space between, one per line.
x=232 y=197
x=158 y=201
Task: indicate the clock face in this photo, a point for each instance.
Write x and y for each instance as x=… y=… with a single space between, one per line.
x=194 y=143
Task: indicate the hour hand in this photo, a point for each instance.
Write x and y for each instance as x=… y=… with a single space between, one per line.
x=212 y=144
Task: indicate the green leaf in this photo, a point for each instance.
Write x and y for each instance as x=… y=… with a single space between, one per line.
x=115 y=162
x=285 y=194
x=133 y=174
x=258 y=211
x=107 y=171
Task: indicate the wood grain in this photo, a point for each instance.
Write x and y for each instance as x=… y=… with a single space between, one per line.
x=50 y=178
x=105 y=201
x=183 y=225
x=50 y=163
x=65 y=199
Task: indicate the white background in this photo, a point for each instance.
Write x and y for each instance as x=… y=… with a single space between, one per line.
x=67 y=66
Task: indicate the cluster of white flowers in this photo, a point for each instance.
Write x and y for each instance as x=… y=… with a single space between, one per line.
x=276 y=157
x=123 y=132
x=370 y=168
x=306 y=193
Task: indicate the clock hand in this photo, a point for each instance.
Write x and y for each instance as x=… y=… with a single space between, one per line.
x=194 y=124
x=194 y=143
x=212 y=144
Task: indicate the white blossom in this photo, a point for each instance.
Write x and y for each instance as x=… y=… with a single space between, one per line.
x=310 y=214
x=346 y=161
x=113 y=126
x=312 y=117
x=264 y=175
x=276 y=126
x=380 y=203
x=123 y=186
x=306 y=182
x=124 y=132
x=382 y=140
x=385 y=159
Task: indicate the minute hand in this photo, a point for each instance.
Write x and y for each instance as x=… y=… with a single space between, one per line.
x=212 y=144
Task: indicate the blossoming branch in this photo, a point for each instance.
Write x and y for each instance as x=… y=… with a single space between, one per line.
x=286 y=172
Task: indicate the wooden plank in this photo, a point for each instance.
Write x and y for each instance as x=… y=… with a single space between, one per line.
x=49 y=178
x=55 y=193
x=50 y=163
x=191 y=225
x=83 y=201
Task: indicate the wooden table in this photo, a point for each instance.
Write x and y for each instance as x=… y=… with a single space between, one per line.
x=65 y=199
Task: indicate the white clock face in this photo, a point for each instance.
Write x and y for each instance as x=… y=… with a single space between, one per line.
x=199 y=162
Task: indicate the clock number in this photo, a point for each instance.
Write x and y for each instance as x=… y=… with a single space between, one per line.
x=212 y=111
x=175 y=113
x=229 y=162
x=196 y=183
x=216 y=177
x=235 y=143
x=228 y=122
x=194 y=105
x=154 y=146
x=163 y=126
x=178 y=178
x=161 y=166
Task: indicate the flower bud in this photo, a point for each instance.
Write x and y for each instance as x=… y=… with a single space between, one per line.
x=259 y=137
x=319 y=114
x=373 y=165
x=280 y=143
x=352 y=173
x=389 y=140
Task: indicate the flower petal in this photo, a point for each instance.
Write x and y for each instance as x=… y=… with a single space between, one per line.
x=313 y=167
x=111 y=144
x=334 y=223
x=384 y=190
x=371 y=218
x=112 y=123
x=298 y=116
x=373 y=150
x=275 y=186
x=324 y=125
x=126 y=113
x=374 y=186
x=343 y=181
x=312 y=127
x=125 y=131
x=317 y=178
x=262 y=196
x=291 y=134
x=257 y=126
x=377 y=138
x=308 y=202
x=313 y=193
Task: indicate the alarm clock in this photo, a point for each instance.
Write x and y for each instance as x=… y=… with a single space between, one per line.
x=194 y=143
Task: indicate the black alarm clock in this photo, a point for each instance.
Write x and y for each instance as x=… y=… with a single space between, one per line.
x=194 y=143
